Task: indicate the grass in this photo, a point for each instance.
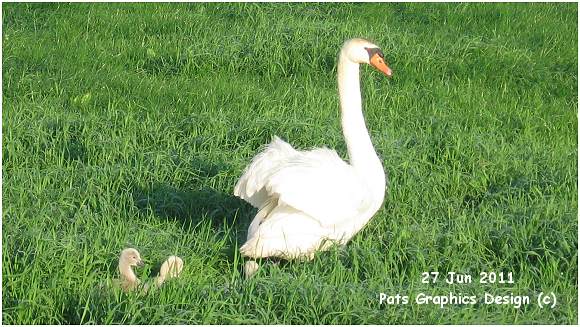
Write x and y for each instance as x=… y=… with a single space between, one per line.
x=129 y=124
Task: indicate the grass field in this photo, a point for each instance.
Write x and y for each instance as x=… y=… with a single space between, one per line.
x=128 y=125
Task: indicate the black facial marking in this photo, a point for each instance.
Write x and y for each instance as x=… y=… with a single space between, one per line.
x=373 y=51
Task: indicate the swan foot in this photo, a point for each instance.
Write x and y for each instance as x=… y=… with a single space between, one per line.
x=250 y=268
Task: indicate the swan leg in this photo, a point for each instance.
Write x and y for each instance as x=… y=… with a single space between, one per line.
x=250 y=268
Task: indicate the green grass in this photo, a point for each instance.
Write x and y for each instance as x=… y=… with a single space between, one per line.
x=128 y=125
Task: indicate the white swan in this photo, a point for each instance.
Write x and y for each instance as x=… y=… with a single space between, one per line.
x=306 y=198
x=128 y=281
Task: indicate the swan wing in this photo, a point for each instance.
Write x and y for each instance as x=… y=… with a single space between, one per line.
x=316 y=182
x=319 y=183
x=251 y=186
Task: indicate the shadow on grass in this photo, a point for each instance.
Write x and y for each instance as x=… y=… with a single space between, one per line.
x=193 y=206
x=225 y=212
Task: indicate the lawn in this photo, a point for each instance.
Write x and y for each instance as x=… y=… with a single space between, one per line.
x=129 y=125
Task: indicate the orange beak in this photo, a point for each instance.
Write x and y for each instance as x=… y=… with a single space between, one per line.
x=381 y=65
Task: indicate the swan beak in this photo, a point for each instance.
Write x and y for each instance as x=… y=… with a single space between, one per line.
x=140 y=263
x=380 y=64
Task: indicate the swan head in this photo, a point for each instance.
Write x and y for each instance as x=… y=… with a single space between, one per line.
x=361 y=51
x=130 y=258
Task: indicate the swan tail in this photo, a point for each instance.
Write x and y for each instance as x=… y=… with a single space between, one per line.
x=285 y=249
x=269 y=205
x=276 y=237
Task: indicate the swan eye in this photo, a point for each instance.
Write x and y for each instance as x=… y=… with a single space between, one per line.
x=375 y=53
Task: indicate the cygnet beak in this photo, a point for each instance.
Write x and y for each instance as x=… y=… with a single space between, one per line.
x=140 y=263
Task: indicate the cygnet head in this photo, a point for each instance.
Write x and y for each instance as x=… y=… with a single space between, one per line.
x=130 y=258
x=361 y=51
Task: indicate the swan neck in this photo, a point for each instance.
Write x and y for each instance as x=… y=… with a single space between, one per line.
x=127 y=273
x=360 y=148
x=349 y=86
